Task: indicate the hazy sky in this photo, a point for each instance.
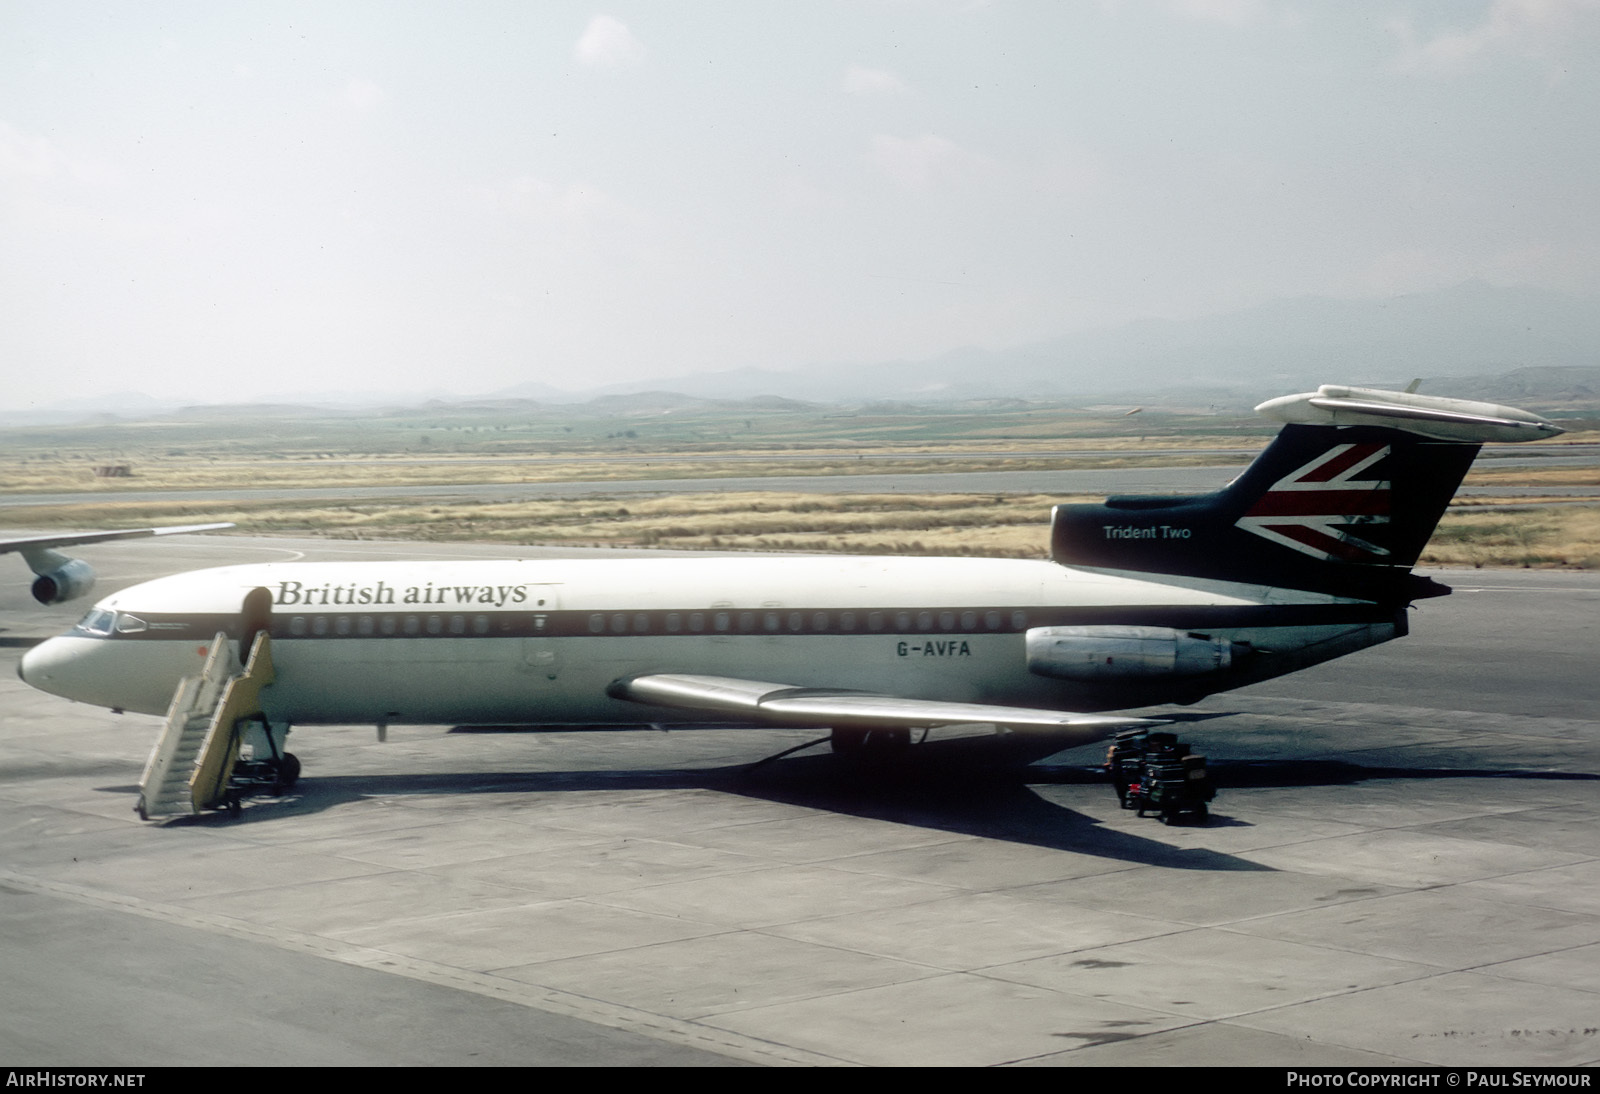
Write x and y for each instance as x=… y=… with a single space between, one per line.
x=236 y=200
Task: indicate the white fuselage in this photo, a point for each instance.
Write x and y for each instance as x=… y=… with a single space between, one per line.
x=538 y=642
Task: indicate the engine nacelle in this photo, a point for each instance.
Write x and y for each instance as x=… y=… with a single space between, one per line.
x=68 y=581
x=1109 y=654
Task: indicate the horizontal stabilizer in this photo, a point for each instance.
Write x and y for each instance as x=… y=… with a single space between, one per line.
x=1428 y=416
x=783 y=704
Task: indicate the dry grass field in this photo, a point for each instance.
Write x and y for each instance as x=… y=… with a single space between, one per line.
x=1008 y=526
x=230 y=457
x=37 y=478
x=1566 y=537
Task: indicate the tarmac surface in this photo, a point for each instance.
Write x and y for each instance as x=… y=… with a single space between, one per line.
x=1402 y=867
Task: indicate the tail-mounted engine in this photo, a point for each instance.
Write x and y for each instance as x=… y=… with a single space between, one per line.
x=1112 y=654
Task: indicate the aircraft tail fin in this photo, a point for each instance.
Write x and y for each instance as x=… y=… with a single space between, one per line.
x=1342 y=501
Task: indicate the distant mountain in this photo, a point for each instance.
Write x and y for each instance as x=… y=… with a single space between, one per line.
x=534 y=390
x=1471 y=329
x=1560 y=390
x=120 y=404
x=1545 y=341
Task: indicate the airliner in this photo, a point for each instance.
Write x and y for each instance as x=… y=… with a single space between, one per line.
x=1306 y=556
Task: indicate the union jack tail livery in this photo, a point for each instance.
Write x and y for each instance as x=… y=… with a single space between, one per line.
x=1325 y=507
x=1342 y=501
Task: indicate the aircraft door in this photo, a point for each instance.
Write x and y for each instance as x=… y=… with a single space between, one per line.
x=540 y=651
x=254 y=617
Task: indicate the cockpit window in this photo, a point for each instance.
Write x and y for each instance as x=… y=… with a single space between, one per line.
x=97 y=622
x=130 y=624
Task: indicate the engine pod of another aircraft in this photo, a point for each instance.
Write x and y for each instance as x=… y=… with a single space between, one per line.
x=60 y=578
x=1102 y=654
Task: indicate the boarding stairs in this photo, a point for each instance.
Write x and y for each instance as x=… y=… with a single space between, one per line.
x=192 y=765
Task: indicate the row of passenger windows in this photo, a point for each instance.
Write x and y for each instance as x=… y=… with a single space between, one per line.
x=363 y=626
x=714 y=622
x=772 y=622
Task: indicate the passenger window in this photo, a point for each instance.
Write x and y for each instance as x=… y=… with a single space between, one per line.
x=924 y=621
x=875 y=621
x=319 y=624
x=458 y=624
x=297 y=625
x=969 y=620
x=947 y=621
x=364 y=625
x=674 y=622
x=341 y=625
x=902 y=621
x=413 y=624
x=435 y=624
x=770 y=621
x=697 y=622
x=389 y=624
x=480 y=624
x=641 y=623
x=991 y=620
x=847 y=621
x=1019 y=620
x=796 y=621
x=819 y=622
x=720 y=622
x=597 y=623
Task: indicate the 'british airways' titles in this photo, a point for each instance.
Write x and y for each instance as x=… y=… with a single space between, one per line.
x=296 y=594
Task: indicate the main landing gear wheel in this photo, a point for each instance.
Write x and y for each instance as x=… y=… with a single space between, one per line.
x=288 y=773
x=1157 y=773
x=873 y=743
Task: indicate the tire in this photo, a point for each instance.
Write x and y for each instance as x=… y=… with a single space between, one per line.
x=875 y=744
x=848 y=742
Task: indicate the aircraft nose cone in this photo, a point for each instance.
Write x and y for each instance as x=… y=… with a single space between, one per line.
x=119 y=675
x=51 y=666
x=36 y=665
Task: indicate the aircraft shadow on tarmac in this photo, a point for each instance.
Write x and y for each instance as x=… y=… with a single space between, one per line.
x=966 y=787
x=987 y=806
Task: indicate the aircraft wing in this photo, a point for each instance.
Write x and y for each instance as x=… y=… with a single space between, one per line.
x=69 y=539
x=783 y=704
x=62 y=578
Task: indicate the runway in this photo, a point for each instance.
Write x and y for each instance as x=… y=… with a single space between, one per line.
x=1403 y=868
x=1064 y=483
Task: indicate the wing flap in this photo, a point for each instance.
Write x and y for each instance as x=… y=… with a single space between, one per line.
x=784 y=704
